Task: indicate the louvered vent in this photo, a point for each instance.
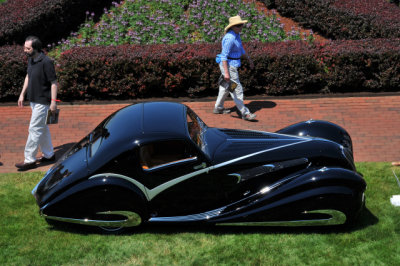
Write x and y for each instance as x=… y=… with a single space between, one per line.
x=243 y=134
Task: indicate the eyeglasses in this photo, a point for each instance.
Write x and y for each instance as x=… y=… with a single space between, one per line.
x=239 y=26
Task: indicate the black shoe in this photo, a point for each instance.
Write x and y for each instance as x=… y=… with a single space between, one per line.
x=44 y=159
x=25 y=166
x=221 y=111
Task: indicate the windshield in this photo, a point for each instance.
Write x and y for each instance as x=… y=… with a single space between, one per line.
x=197 y=129
x=96 y=137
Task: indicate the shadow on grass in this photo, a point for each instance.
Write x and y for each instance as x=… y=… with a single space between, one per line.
x=366 y=219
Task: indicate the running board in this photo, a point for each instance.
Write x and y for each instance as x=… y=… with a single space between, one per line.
x=337 y=218
x=189 y=218
x=132 y=219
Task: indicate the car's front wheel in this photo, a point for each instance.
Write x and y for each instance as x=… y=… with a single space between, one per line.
x=121 y=221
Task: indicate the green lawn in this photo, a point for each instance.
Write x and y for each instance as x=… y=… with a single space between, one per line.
x=26 y=239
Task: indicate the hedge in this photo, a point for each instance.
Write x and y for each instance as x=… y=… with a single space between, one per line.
x=13 y=65
x=52 y=20
x=287 y=68
x=130 y=71
x=190 y=70
x=344 y=19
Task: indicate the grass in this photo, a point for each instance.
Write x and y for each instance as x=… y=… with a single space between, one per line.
x=25 y=238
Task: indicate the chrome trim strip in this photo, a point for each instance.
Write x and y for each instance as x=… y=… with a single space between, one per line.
x=132 y=219
x=151 y=193
x=337 y=218
x=192 y=159
x=278 y=134
x=157 y=190
x=189 y=218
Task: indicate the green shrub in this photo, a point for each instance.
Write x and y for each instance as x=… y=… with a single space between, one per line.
x=13 y=65
x=295 y=67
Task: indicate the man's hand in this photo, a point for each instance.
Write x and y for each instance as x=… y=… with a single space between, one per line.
x=53 y=106
x=21 y=101
x=227 y=77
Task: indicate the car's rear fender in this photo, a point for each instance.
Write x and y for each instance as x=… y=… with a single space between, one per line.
x=326 y=177
x=339 y=189
x=320 y=129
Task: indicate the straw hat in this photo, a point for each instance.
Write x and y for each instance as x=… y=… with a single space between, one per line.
x=236 y=20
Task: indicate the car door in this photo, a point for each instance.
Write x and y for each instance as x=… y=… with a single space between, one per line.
x=174 y=171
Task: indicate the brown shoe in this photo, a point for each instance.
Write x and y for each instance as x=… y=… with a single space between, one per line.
x=25 y=166
x=43 y=159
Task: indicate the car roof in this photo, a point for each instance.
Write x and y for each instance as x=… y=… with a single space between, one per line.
x=156 y=119
x=164 y=117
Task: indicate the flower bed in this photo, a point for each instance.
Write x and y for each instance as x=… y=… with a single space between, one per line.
x=171 y=22
x=344 y=19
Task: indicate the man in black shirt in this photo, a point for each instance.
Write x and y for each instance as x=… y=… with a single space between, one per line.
x=40 y=88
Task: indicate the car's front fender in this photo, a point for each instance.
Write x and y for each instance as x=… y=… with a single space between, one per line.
x=95 y=195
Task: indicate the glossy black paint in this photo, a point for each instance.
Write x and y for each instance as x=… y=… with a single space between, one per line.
x=159 y=162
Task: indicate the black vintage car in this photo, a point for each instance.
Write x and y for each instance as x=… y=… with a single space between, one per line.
x=158 y=162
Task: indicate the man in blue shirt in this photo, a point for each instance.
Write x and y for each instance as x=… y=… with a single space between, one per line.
x=232 y=50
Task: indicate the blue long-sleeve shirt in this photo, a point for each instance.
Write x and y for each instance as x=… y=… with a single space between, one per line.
x=232 y=48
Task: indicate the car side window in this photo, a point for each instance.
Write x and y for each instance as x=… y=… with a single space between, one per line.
x=194 y=129
x=163 y=153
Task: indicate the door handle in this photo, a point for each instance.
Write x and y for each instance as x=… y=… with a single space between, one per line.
x=200 y=166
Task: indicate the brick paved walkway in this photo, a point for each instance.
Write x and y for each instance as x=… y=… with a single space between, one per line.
x=373 y=123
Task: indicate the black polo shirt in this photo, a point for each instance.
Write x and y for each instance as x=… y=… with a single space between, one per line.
x=41 y=73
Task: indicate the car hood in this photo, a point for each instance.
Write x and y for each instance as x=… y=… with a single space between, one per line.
x=72 y=164
x=249 y=147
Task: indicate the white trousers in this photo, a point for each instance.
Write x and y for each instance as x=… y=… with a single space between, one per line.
x=237 y=94
x=39 y=134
